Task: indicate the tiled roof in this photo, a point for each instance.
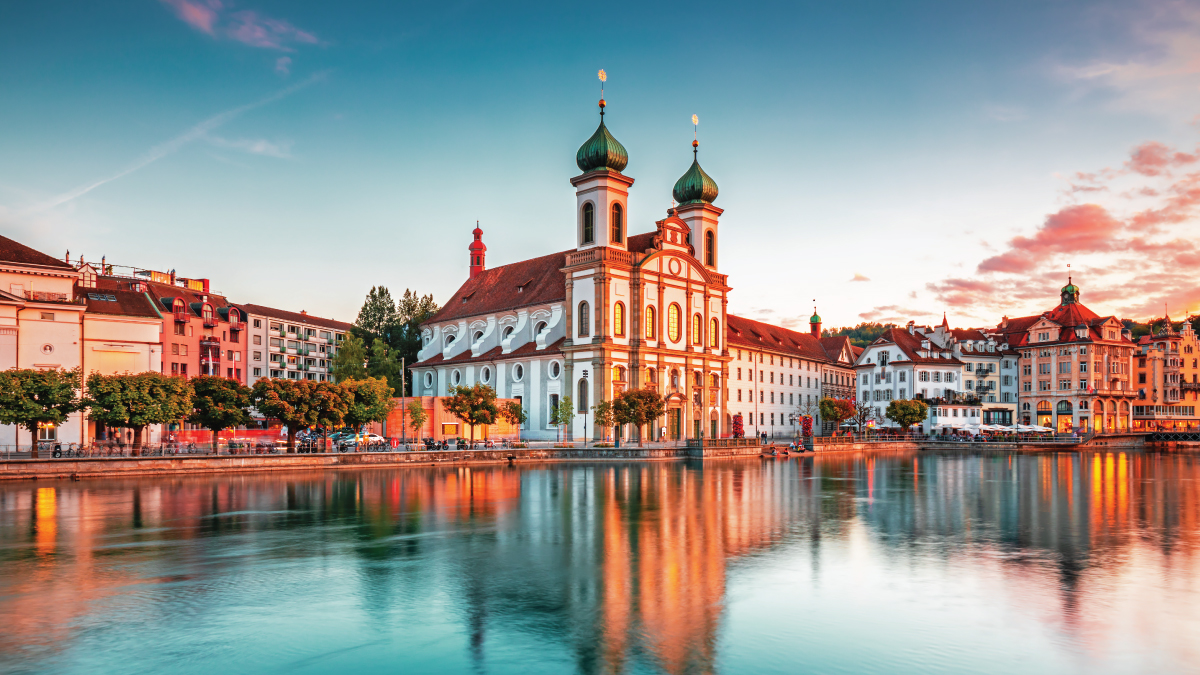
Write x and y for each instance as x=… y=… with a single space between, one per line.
x=296 y=317
x=1069 y=316
x=18 y=253
x=910 y=345
x=758 y=335
x=536 y=281
x=833 y=347
x=117 y=302
x=164 y=293
x=493 y=354
x=640 y=243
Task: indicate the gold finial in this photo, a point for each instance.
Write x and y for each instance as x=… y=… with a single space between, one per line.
x=695 y=135
x=603 y=78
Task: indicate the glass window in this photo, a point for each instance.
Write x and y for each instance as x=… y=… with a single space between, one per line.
x=714 y=331
x=650 y=322
x=589 y=224
x=673 y=319
x=585 y=316
x=697 y=330
x=619 y=319
x=618 y=224
x=710 y=249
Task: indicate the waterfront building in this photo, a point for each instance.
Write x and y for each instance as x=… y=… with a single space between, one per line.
x=778 y=375
x=616 y=311
x=913 y=363
x=1076 y=367
x=1168 y=379
x=293 y=345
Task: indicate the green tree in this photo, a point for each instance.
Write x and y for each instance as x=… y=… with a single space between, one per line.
x=417 y=417
x=31 y=397
x=384 y=363
x=639 y=407
x=331 y=403
x=349 y=363
x=861 y=335
x=397 y=323
x=475 y=405
x=369 y=400
x=219 y=403
x=298 y=404
x=138 y=400
x=377 y=319
x=562 y=414
x=836 y=410
x=514 y=414
x=412 y=310
x=907 y=412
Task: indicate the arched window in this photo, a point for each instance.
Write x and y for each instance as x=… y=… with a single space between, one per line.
x=585 y=324
x=618 y=373
x=714 y=380
x=589 y=224
x=618 y=224
x=619 y=319
x=537 y=330
x=650 y=375
x=673 y=320
x=508 y=331
x=697 y=329
x=583 y=396
x=476 y=337
x=714 y=329
x=650 y=323
x=1043 y=405
x=1063 y=407
x=710 y=249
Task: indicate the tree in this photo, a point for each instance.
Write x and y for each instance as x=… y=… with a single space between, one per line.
x=605 y=416
x=514 y=414
x=397 y=324
x=31 y=397
x=219 y=403
x=138 y=400
x=417 y=417
x=861 y=335
x=807 y=408
x=298 y=404
x=562 y=414
x=836 y=410
x=383 y=363
x=331 y=402
x=474 y=405
x=639 y=407
x=907 y=412
x=349 y=363
x=369 y=400
x=377 y=319
x=864 y=412
x=411 y=310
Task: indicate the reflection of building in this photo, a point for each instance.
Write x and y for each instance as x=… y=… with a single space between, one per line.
x=294 y=345
x=1075 y=367
x=1168 y=379
x=618 y=311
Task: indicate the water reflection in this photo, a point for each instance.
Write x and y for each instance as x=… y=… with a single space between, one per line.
x=610 y=568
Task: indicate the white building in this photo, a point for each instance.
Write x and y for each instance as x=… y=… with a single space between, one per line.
x=294 y=345
x=907 y=363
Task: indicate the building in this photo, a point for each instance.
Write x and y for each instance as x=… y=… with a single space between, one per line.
x=615 y=311
x=777 y=375
x=294 y=345
x=1168 y=379
x=1076 y=367
x=914 y=363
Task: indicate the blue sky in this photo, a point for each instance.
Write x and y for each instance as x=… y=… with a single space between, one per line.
x=952 y=156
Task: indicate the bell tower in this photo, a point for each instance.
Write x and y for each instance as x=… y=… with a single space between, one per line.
x=478 y=252
x=696 y=191
x=601 y=191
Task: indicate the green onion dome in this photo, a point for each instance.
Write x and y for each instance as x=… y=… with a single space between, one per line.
x=601 y=151
x=815 y=318
x=695 y=186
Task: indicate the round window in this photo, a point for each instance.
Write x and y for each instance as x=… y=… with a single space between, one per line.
x=508 y=331
x=555 y=370
x=456 y=377
x=428 y=379
x=518 y=372
x=486 y=374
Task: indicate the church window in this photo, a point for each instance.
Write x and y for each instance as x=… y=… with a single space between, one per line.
x=710 y=249
x=650 y=375
x=673 y=320
x=715 y=330
x=583 y=396
x=739 y=395
x=619 y=319
x=697 y=329
x=618 y=223
x=589 y=224
x=585 y=316
x=650 y=325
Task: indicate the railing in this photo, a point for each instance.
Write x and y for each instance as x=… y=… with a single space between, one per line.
x=747 y=442
x=46 y=296
x=181 y=317
x=237 y=325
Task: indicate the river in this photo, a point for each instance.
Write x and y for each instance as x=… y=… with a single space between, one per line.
x=1053 y=563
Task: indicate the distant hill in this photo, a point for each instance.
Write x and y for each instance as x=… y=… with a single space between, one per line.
x=861 y=335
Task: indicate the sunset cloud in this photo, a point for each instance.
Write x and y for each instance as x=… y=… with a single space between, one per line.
x=859 y=277
x=248 y=27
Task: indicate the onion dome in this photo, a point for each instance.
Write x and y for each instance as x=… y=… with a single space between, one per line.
x=601 y=151
x=815 y=318
x=695 y=186
x=1069 y=293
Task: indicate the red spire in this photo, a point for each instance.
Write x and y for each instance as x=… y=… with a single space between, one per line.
x=945 y=324
x=478 y=251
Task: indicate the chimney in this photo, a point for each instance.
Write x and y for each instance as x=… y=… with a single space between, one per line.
x=912 y=327
x=1004 y=322
x=304 y=312
x=478 y=252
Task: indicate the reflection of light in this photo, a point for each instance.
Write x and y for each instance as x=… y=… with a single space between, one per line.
x=47 y=524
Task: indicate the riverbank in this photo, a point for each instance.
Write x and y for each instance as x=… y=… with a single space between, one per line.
x=78 y=469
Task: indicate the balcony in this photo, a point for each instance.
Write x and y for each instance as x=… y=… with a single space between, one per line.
x=293 y=350
x=210 y=322
x=293 y=366
x=46 y=296
x=1190 y=386
x=275 y=348
x=237 y=325
x=181 y=316
x=291 y=335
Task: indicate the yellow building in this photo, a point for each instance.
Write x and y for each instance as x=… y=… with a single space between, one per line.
x=1168 y=379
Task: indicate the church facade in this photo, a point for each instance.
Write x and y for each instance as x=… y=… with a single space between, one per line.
x=617 y=311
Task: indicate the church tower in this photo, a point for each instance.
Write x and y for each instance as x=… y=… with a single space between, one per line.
x=696 y=191
x=601 y=191
x=478 y=252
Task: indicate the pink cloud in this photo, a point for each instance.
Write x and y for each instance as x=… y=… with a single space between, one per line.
x=1085 y=228
x=198 y=16
x=247 y=27
x=1153 y=158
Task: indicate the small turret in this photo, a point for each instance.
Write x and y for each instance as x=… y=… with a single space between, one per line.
x=814 y=323
x=478 y=252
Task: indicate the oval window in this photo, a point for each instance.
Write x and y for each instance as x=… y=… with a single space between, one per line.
x=673 y=319
x=456 y=377
x=428 y=379
x=555 y=370
x=518 y=372
x=486 y=374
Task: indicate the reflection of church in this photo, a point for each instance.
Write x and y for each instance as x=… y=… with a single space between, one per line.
x=617 y=311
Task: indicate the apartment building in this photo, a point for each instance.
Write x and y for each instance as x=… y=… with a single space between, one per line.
x=294 y=345
x=1168 y=379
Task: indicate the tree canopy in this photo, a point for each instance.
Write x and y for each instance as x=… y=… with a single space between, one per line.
x=907 y=412
x=836 y=410
x=138 y=400
x=368 y=400
x=395 y=322
x=349 y=363
x=298 y=404
x=219 y=403
x=639 y=407
x=474 y=405
x=861 y=335
x=30 y=397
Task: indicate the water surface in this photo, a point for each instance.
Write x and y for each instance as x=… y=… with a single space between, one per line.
x=897 y=564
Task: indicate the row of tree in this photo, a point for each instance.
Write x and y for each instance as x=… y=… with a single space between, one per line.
x=32 y=398
x=904 y=412
x=386 y=334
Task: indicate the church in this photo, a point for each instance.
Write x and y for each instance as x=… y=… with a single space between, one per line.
x=617 y=311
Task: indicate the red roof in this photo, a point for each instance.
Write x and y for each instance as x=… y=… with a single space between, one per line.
x=910 y=345
x=117 y=302
x=165 y=294
x=20 y=254
x=1069 y=316
x=284 y=315
x=536 y=281
x=758 y=335
x=640 y=243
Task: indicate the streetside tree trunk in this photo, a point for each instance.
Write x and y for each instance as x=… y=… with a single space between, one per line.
x=33 y=448
x=137 y=440
x=215 y=441
x=291 y=442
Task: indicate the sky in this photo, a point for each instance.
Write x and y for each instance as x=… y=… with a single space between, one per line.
x=891 y=161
